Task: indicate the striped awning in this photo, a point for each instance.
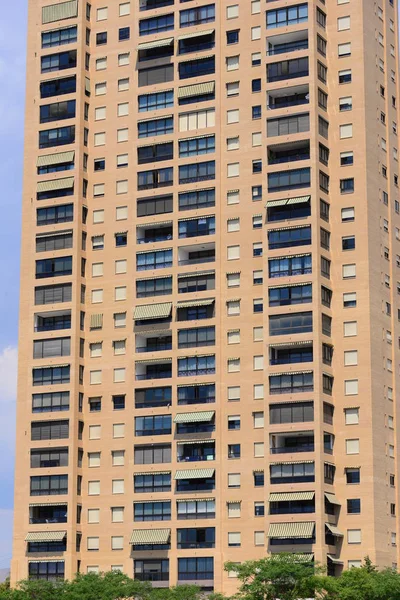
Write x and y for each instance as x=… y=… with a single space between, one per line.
x=46 y=536
x=291 y=530
x=293 y=462
x=334 y=530
x=332 y=499
x=55 y=184
x=48 y=504
x=152 y=311
x=46 y=560
x=336 y=561
x=151 y=225
x=191 y=303
x=152 y=501
x=156 y=118
x=96 y=321
x=198 y=89
x=290 y=373
x=195 y=500
x=156 y=44
x=153 y=361
x=185 y=385
x=294 y=558
x=196 y=34
x=194 y=474
x=195 y=417
x=195 y=274
x=153 y=473
x=298 y=200
x=53 y=234
x=59 y=12
x=196 y=218
x=288 y=228
x=290 y=344
x=191 y=442
x=150 y=536
x=197 y=59
x=290 y=496
x=290 y=285
x=55 y=159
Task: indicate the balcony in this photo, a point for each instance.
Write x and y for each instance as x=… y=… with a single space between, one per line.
x=153 y=369
x=294 y=507
x=194 y=452
x=286 y=153
x=154 y=342
x=287 y=97
x=52 y=321
x=196 y=227
x=47 y=514
x=201 y=41
x=291 y=355
x=152 y=576
x=289 y=209
x=287 y=69
x=197 y=67
x=195 y=485
x=154 y=232
x=153 y=4
x=287 y=42
x=289 y=237
x=196 y=254
x=291 y=443
x=291 y=383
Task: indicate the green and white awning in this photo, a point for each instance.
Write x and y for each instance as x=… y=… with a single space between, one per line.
x=150 y=536
x=195 y=417
x=55 y=184
x=152 y=311
x=156 y=44
x=198 y=89
x=336 y=561
x=196 y=34
x=334 y=530
x=55 y=159
x=60 y=11
x=290 y=496
x=286 y=201
x=46 y=536
x=194 y=474
x=192 y=303
x=291 y=530
x=332 y=499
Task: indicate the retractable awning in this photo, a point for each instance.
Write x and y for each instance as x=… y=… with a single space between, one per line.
x=336 y=561
x=46 y=536
x=291 y=530
x=194 y=474
x=334 y=530
x=198 y=89
x=285 y=201
x=196 y=34
x=290 y=496
x=55 y=184
x=55 y=159
x=332 y=499
x=155 y=44
x=152 y=311
x=48 y=504
x=150 y=536
x=193 y=303
x=191 y=442
x=195 y=417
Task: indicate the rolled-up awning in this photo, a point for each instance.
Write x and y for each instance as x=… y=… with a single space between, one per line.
x=291 y=530
x=196 y=500
x=60 y=11
x=55 y=184
x=192 y=303
x=195 y=417
x=332 y=499
x=289 y=285
x=46 y=536
x=293 y=462
x=290 y=344
x=285 y=201
x=334 y=530
x=55 y=159
x=195 y=274
x=46 y=560
x=196 y=34
x=198 y=89
x=153 y=311
x=150 y=536
x=336 y=561
x=197 y=59
x=48 y=504
x=290 y=496
x=191 y=442
x=156 y=44
x=153 y=473
x=194 y=474
x=153 y=361
x=53 y=234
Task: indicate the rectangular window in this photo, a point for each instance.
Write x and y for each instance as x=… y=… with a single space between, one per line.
x=59 y=37
x=155 y=75
x=156 y=24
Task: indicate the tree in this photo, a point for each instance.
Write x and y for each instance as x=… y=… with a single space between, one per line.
x=283 y=576
x=112 y=585
x=180 y=592
x=366 y=583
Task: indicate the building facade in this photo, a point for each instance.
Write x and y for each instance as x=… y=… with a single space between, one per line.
x=209 y=321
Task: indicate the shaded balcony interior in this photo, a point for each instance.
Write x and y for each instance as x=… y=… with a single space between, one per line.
x=196 y=42
x=52 y=320
x=288 y=96
x=156 y=50
x=290 y=353
x=193 y=451
x=288 y=443
x=156 y=341
x=287 y=42
x=51 y=513
x=291 y=503
x=153 y=369
x=195 y=422
x=288 y=152
x=196 y=254
x=195 y=480
x=287 y=69
x=154 y=232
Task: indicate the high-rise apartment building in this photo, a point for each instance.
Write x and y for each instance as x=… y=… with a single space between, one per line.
x=210 y=314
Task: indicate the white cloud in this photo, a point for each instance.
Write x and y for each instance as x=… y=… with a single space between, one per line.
x=8 y=374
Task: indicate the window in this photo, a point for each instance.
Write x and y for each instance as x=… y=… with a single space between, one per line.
x=346 y=131
x=352 y=446
x=160 y=482
x=344 y=49
x=345 y=103
x=345 y=76
x=59 y=37
x=155 y=75
x=354 y=536
x=284 y=17
x=351 y=416
x=352 y=475
x=156 y=511
x=157 y=453
x=156 y=24
x=58 y=62
x=197 y=120
x=48 y=485
x=343 y=23
x=348 y=242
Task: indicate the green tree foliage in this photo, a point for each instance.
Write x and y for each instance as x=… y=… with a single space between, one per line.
x=283 y=576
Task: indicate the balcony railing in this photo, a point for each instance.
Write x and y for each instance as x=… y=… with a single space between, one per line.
x=290 y=449
x=194 y=372
x=290 y=360
x=196 y=261
x=152 y=576
x=291 y=389
x=289 y=158
x=285 y=76
x=42 y=520
x=160 y=375
x=288 y=273
x=288 y=47
x=196 y=458
x=155 y=348
x=154 y=238
x=290 y=101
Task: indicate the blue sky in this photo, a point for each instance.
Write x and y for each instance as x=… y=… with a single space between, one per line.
x=12 y=82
